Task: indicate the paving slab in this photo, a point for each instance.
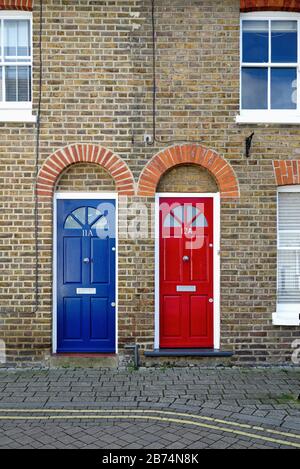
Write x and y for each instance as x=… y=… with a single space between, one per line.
x=176 y=408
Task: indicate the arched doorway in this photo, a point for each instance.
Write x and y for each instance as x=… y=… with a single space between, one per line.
x=188 y=182
x=84 y=182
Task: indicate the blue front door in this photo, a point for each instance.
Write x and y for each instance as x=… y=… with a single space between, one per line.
x=86 y=268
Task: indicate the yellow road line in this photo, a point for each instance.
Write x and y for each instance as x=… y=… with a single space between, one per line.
x=157 y=419
x=150 y=411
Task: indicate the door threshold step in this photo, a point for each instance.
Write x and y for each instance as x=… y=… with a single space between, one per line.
x=188 y=353
x=83 y=360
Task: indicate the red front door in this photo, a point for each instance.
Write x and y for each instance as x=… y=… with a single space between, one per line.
x=186 y=272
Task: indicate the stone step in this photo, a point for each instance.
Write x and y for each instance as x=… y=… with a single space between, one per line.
x=83 y=361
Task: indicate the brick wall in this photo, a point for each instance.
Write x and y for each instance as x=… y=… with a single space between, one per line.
x=97 y=89
x=85 y=177
x=187 y=178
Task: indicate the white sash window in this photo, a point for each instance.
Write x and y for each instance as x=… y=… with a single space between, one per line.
x=288 y=258
x=270 y=64
x=16 y=66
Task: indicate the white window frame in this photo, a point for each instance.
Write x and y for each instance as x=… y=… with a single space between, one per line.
x=16 y=111
x=270 y=116
x=286 y=314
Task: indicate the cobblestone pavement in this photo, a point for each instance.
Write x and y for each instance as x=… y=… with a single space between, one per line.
x=180 y=408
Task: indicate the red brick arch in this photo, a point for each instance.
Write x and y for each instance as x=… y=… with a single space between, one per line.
x=270 y=5
x=189 y=154
x=84 y=153
x=26 y=5
x=287 y=172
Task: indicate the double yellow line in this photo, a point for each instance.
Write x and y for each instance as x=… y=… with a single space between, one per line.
x=240 y=429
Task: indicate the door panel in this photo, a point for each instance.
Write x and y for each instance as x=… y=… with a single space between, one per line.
x=172 y=253
x=186 y=272
x=172 y=318
x=200 y=262
x=99 y=318
x=101 y=260
x=86 y=248
x=72 y=318
x=198 y=317
x=72 y=264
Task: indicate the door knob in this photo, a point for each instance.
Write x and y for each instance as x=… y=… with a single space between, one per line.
x=86 y=260
x=113 y=305
x=185 y=258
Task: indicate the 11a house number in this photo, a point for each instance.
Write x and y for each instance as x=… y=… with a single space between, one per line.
x=87 y=233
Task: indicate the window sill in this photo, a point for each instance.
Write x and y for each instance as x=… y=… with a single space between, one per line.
x=17 y=115
x=287 y=319
x=258 y=118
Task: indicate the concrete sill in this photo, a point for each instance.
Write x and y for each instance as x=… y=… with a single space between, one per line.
x=19 y=116
x=188 y=353
x=267 y=119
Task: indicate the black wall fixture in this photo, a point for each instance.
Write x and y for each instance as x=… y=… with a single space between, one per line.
x=249 y=144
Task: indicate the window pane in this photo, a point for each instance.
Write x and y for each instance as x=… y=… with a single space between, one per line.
x=287 y=240
x=283 y=88
x=289 y=211
x=255 y=41
x=18 y=83
x=72 y=224
x=194 y=217
x=284 y=41
x=200 y=221
x=11 y=83
x=16 y=38
x=23 y=38
x=80 y=214
x=93 y=213
x=10 y=38
x=24 y=83
x=179 y=213
x=171 y=222
x=1 y=97
x=100 y=224
x=254 y=88
x=289 y=276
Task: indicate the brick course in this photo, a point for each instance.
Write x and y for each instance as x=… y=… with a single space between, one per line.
x=273 y=5
x=97 y=90
x=25 y=5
